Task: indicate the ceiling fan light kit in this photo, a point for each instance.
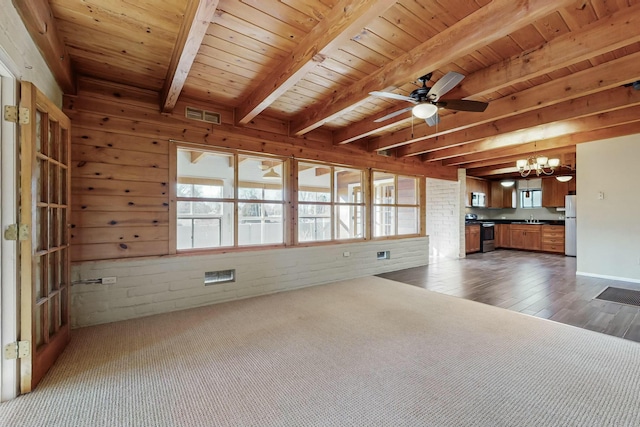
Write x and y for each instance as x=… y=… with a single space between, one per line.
x=424 y=110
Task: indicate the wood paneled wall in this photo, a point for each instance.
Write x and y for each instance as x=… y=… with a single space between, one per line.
x=120 y=164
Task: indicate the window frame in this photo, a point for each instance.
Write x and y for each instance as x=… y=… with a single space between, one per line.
x=521 y=198
x=290 y=205
x=332 y=204
x=235 y=200
x=419 y=206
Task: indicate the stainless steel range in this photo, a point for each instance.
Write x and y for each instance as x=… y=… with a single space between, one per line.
x=487 y=237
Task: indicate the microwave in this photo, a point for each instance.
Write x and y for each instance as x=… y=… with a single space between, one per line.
x=478 y=200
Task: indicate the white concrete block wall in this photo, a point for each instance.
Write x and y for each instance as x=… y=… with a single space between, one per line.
x=443 y=213
x=152 y=286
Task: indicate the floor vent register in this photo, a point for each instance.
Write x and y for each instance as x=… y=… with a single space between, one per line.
x=620 y=295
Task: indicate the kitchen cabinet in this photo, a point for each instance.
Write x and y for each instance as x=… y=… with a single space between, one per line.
x=553 y=238
x=553 y=192
x=525 y=237
x=501 y=197
x=475 y=185
x=472 y=238
x=501 y=234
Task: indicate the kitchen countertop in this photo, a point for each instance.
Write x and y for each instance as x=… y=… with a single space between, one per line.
x=515 y=221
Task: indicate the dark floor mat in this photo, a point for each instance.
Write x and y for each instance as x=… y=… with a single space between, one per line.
x=622 y=296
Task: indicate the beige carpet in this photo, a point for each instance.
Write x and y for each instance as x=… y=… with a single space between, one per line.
x=365 y=352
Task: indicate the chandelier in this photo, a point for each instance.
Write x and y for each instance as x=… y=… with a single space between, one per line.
x=542 y=165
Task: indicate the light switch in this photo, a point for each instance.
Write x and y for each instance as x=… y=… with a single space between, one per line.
x=600 y=195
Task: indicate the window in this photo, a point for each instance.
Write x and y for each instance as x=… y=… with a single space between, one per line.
x=226 y=200
x=530 y=198
x=330 y=203
x=396 y=205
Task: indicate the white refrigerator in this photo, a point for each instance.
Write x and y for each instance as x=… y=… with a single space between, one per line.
x=570 y=225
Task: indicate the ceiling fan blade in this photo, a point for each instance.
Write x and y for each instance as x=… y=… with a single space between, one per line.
x=445 y=84
x=462 y=105
x=395 y=113
x=391 y=95
x=433 y=120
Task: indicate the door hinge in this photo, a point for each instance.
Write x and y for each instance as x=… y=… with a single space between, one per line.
x=17 y=115
x=17 y=350
x=13 y=232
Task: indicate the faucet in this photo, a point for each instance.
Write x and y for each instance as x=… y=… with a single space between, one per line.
x=530 y=218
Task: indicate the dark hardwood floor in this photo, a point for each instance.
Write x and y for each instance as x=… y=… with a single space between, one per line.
x=541 y=285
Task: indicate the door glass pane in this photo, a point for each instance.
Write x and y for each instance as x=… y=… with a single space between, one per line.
x=407 y=220
x=62 y=312
x=54 y=183
x=41 y=226
x=63 y=186
x=260 y=224
x=39 y=277
x=41 y=180
x=407 y=190
x=50 y=259
x=53 y=314
x=38 y=132
x=51 y=228
x=349 y=222
x=39 y=324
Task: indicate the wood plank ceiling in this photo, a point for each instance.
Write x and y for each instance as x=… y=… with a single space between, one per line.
x=555 y=72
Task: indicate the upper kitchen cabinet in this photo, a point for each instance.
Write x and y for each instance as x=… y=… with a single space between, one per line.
x=501 y=197
x=553 y=192
x=476 y=185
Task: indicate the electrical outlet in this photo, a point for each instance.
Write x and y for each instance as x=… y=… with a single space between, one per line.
x=109 y=280
x=346 y=254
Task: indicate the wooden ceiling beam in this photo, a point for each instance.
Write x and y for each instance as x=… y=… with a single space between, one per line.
x=609 y=75
x=605 y=35
x=197 y=17
x=41 y=25
x=344 y=21
x=545 y=145
x=540 y=132
x=524 y=154
x=489 y=23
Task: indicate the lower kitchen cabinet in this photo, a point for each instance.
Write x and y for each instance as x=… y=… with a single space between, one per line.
x=502 y=238
x=472 y=238
x=553 y=238
x=526 y=237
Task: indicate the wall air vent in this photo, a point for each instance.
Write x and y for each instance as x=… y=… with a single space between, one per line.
x=217 y=277
x=202 y=115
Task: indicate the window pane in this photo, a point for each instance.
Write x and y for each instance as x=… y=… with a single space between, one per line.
x=205 y=174
x=260 y=224
x=407 y=190
x=314 y=223
x=531 y=198
x=204 y=225
x=349 y=221
x=384 y=188
x=314 y=183
x=407 y=221
x=260 y=178
x=384 y=221
x=348 y=185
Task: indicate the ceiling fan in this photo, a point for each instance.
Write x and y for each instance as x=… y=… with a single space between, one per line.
x=427 y=99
